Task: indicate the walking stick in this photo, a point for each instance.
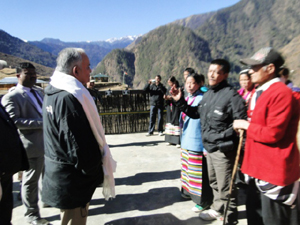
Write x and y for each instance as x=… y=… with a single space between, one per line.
x=234 y=173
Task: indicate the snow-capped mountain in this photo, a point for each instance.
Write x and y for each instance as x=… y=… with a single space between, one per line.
x=123 y=39
x=95 y=49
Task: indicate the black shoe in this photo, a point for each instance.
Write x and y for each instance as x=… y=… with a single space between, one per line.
x=44 y=205
x=185 y=196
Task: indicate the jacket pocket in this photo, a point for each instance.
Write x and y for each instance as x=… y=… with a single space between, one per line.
x=219 y=118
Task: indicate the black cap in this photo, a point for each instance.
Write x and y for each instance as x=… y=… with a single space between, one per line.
x=264 y=56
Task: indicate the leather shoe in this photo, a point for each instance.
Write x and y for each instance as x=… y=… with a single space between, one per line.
x=39 y=222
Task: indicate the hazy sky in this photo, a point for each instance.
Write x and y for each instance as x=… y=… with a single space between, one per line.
x=95 y=20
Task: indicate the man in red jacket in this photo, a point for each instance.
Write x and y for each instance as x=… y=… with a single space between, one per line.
x=271 y=161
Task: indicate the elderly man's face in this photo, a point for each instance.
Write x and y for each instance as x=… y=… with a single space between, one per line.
x=27 y=77
x=83 y=71
x=261 y=74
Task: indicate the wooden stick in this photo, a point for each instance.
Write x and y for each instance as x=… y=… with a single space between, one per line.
x=234 y=173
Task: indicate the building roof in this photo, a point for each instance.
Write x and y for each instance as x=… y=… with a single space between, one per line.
x=14 y=80
x=99 y=75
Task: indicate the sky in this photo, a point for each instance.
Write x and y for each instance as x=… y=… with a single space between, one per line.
x=95 y=20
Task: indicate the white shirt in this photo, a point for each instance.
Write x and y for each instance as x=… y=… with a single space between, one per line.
x=263 y=87
x=32 y=97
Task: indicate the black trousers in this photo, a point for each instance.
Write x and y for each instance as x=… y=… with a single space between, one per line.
x=153 y=111
x=6 y=203
x=262 y=210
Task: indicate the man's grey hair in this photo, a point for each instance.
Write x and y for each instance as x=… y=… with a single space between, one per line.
x=68 y=58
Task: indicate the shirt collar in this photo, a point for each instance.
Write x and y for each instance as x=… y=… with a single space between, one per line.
x=266 y=85
x=20 y=86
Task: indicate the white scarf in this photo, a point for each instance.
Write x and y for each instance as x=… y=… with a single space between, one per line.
x=73 y=86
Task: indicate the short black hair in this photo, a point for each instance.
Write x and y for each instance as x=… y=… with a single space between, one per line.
x=159 y=76
x=24 y=65
x=190 y=70
x=284 y=71
x=223 y=63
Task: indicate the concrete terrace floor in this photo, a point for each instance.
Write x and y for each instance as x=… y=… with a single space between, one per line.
x=147 y=188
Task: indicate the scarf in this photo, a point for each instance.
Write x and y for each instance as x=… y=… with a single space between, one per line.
x=73 y=86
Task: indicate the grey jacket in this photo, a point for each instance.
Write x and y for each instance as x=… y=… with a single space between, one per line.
x=28 y=120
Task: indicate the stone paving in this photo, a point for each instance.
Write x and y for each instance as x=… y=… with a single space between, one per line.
x=147 y=188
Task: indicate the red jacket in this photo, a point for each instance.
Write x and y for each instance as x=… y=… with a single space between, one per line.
x=271 y=152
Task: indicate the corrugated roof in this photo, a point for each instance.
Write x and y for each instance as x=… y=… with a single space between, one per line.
x=99 y=75
x=14 y=80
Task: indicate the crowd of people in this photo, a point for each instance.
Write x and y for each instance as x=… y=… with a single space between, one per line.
x=56 y=136
x=210 y=120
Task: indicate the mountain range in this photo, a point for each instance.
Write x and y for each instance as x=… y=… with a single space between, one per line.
x=231 y=33
x=45 y=51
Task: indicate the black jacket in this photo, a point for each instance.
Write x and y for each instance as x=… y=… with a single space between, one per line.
x=13 y=156
x=73 y=161
x=157 y=93
x=220 y=106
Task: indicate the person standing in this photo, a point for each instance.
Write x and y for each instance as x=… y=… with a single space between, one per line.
x=24 y=106
x=157 y=91
x=284 y=78
x=220 y=105
x=271 y=160
x=93 y=91
x=172 y=129
x=13 y=158
x=188 y=71
x=75 y=144
x=194 y=176
x=247 y=87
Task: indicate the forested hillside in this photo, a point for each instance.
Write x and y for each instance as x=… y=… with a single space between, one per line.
x=165 y=51
x=16 y=47
x=232 y=33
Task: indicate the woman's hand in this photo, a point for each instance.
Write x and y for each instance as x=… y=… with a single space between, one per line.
x=176 y=93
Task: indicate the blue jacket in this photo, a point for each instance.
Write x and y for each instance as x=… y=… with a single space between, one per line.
x=191 y=138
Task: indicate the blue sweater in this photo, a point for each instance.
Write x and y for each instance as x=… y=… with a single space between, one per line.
x=191 y=138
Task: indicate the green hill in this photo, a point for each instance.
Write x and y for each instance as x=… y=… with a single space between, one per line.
x=16 y=47
x=166 y=50
x=249 y=25
x=115 y=64
x=232 y=33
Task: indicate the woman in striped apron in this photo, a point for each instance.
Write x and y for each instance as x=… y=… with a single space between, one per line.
x=194 y=176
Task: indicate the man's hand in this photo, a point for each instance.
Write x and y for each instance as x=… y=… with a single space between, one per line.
x=176 y=93
x=240 y=124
